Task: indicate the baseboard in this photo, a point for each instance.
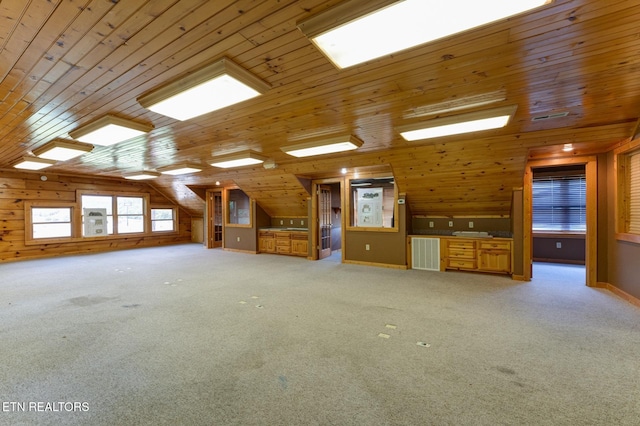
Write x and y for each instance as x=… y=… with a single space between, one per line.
x=382 y=265
x=240 y=251
x=563 y=261
x=519 y=278
x=620 y=293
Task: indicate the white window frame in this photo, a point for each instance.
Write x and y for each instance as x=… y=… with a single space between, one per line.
x=174 y=219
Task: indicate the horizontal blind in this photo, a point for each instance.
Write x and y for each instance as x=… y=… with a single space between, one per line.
x=634 y=193
x=559 y=203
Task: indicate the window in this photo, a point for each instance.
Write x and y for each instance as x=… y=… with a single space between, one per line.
x=373 y=202
x=130 y=212
x=238 y=207
x=559 y=202
x=163 y=219
x=627 y=174
x=92 y=223
x=51 y=222
x=634 y=193
x=123 y=214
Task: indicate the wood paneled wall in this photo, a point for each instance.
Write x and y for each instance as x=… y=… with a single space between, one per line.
x=16 y=188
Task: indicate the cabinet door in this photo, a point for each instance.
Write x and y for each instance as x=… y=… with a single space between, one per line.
x=494 y=260
x=299 y=247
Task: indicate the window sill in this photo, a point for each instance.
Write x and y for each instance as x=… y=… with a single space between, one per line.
x=630 y=238
x=580 y=235
x=70 y=240
x=370 y=229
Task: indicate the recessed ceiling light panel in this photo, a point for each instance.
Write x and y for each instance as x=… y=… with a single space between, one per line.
x=109 y=130
x=348 y=40
x=144 y=175
x=32 y=163
x=62 y=150
x=458 y=124
x=244 y=158
x=213 y=87
x=323 y=146
x=180 y=169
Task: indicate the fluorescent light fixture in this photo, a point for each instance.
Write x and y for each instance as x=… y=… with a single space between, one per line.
x=239 y=159
x=144 y=175
x=323 y=146
x=458 y=124
x=32 y=163
x=213 y=87
x=62 y=150
x=357 y=31
x=180 y=169
x=457 y=104
x=109 y=130
x=567 y=147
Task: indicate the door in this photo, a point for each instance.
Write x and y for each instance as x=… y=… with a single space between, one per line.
x=324 y=221
x=215 y=220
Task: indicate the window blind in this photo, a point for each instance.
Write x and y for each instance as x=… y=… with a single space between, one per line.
x=634 y=193
x=559 y=203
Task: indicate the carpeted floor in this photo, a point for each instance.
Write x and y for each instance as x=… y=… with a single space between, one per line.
x=184 y=335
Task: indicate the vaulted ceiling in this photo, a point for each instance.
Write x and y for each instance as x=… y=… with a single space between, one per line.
x=64 y=63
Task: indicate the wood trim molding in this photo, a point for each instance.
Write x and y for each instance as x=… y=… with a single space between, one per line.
x=591 y=244
x=382 y=265
x=620 y=293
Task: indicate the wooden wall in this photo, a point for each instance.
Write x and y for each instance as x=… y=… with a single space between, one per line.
x=18 y=187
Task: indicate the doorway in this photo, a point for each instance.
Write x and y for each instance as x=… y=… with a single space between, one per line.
x=215 y=219
x=327 y=220
x=590 y=227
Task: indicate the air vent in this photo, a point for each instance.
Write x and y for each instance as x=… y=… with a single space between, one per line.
x=425 y=253
x=550 y=116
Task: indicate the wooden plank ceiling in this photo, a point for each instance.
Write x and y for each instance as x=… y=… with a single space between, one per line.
x=64 y=63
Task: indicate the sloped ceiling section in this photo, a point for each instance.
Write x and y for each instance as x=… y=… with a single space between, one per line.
x=64 y=63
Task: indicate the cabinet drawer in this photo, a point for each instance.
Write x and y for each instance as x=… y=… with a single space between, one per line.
x=495 y=245
x=283 y=235
x=461 y=244
x=283 y=249
x=266 y=234
x=282 y=242
x=461 y=253
x=461 y=263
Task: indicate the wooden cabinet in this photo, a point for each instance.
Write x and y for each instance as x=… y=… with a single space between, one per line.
x=481 y=254
x=283 y=242
x=494 y=256
x=266 y=242
x=299 y=244
x=461 y=254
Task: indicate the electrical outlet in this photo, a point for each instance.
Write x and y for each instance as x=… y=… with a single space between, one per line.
x=470 y=225
x=450 y=224
x=558 y=244
x=238 y=239
x=282 y=222
x=431 y=224
x=367 y=247
x=291 y=222
x=302 y=222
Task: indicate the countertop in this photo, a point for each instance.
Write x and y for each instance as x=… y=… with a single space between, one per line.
x=284 y=229
x=443 y=233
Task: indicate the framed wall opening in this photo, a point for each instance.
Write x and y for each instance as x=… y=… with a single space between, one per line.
x=590 y=234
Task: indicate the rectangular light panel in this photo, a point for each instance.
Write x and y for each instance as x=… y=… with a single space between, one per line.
x=213 y=87
x=62 y=150
x=401 y=25
x=325 y=146
x=459 y=124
